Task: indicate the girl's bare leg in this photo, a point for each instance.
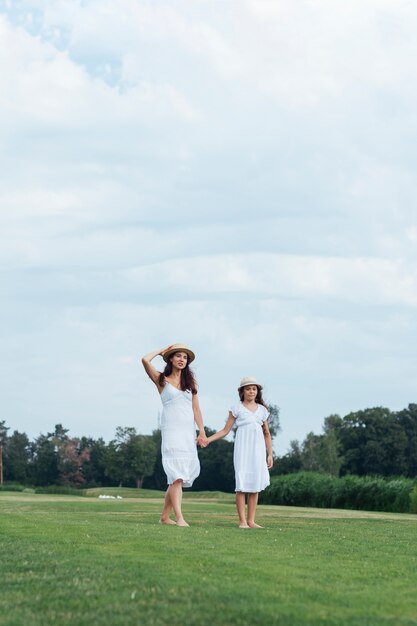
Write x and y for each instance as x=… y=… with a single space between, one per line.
x=165 y=519
x=240 y=505
x=175 y=492
x=252 y=502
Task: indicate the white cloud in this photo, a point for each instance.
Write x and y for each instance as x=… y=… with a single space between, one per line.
x=411 y=234
x=239 y=176
x=372 y=281
x=44 y=86
x=322 y=54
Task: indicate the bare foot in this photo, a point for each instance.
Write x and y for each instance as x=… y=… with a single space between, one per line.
x=167 y=521
x=244 y=525
x=253 y=525
x=182 y=522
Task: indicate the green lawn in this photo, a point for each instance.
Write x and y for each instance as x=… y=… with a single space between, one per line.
x=84 y=561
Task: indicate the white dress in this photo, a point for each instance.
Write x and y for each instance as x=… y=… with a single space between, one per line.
x=249 y=457
x=179 y=449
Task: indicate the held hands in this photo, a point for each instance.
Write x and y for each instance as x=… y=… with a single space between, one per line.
x=202 y=440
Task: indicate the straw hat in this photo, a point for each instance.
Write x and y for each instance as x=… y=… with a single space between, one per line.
x=249 y=380
x=178 y=347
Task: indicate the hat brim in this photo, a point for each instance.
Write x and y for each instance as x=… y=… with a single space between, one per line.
x=250 y=385
x=190 y=353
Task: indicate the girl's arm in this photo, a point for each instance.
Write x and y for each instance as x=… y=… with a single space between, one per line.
x=224 y=431
x=149 y=368
x=198 y=418
x=268 y=444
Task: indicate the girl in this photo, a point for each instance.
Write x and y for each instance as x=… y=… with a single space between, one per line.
x=252 y=435
x=178 y=390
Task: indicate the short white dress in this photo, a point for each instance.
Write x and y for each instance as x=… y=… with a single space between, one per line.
x=179 y=449
x=249 y=457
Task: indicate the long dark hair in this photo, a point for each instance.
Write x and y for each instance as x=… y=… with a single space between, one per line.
x=188 y=381
x=259 y=399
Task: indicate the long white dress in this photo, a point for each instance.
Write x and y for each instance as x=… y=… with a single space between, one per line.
x=249 y=457
x=179 y=449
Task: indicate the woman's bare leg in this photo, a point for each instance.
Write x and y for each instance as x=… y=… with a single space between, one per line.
x=175 y=492
x=240 y=505
x=165 y=519
x=252 y=502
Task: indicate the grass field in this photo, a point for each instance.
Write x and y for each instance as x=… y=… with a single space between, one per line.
x=68 y=560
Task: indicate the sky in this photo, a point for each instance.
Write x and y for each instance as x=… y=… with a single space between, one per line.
x=236 y=175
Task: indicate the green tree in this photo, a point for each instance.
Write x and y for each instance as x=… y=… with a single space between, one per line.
x=3 y=439
x=17 y=457
x=48 y=454
x=3 y=432
x=330 y=457
x=94 y=468
x=320 y=453
x=311 y=453
x=273 y=420
x=289 y=462
x=44 y=468
x=114 y=464
x=373 y=442
x=407 y=420
x=130 y=457
x=140 y=456
x=59 y=435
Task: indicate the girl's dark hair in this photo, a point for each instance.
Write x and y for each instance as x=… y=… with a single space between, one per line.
x=259 y=399
x=188 y=381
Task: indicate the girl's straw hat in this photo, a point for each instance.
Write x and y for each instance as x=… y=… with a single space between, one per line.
x=178 y=347
x=249 y=380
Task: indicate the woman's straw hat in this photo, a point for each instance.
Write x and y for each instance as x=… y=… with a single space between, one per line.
x=249 y=380
x=178 y=347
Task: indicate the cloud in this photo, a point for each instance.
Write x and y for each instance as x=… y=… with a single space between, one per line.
x=239 y=178
x=44 y=86
x=374 y=281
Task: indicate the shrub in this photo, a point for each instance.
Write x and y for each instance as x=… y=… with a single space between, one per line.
x=368 y=493
x=12 y=487
x=413 y=500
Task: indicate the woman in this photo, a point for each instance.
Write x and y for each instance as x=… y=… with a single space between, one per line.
x=178 y=390
x=250 y=417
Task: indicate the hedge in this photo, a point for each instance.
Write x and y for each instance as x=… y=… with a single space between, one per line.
x=311 y=489
x=52 y=489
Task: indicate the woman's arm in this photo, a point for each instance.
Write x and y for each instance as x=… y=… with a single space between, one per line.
x=268 y=444
x=198 y=418
x=224 y=431
x=149 y=368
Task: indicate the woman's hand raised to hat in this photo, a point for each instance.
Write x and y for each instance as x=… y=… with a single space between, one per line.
x=164 y=350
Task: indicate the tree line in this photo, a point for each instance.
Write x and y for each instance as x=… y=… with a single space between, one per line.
x=374 y=441
x=371 y=442
x=130 y=459
x=58 y=459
